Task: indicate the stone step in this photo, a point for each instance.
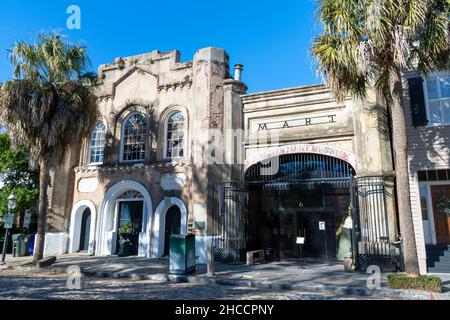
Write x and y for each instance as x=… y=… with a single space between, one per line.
x=440 y=265
x=438 y=270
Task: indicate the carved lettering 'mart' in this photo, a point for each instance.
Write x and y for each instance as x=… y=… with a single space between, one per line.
x=296 y=123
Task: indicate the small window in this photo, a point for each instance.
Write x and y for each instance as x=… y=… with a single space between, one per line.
x=423 y=201
x=422 y=175
x=175 y=135
x=438 y=100
x=133 y=138
x=97 y=145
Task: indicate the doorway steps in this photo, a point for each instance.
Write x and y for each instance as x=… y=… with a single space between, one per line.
x=438 y=258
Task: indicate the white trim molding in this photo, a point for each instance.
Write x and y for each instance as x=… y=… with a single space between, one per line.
x=160 y=223
x=75 y=226
x=107 y=226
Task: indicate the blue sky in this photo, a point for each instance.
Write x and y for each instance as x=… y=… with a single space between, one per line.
x=271 y=38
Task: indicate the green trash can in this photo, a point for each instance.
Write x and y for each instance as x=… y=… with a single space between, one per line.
x=182 y=254
x=20 y=242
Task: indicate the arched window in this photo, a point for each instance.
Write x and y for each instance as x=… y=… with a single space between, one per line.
x=175 y=135
x=133 y=138
x=97 y=145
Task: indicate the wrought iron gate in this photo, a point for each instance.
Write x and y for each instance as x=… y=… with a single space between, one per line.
x=229 y=222
x=373 y=241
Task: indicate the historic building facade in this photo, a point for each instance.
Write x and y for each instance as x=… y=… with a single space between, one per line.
x=181 y=148
x=428 y=126
x=144 y=169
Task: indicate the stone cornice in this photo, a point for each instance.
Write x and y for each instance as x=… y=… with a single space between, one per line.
x=290 y=93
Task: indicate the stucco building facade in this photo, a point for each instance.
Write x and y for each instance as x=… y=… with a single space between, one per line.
x=181 y=148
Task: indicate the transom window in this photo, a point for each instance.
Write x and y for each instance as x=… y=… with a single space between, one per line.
x=97 y=145
x=438 y=99
x=133 y=138
x=175 y=135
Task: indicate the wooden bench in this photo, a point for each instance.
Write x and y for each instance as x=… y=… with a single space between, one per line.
x=255 y=256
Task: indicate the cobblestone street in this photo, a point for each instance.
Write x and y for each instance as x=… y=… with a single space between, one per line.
x=30 y=285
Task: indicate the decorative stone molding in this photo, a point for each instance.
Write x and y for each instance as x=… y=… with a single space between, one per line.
x=187 y=82
x=124 y=166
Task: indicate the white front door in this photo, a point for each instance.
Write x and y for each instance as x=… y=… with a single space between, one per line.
x=427 y=214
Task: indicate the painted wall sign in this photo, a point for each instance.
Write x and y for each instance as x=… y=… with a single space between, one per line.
x=296 y=123
x=87 y=185
x=173 y=181
x=301 y=148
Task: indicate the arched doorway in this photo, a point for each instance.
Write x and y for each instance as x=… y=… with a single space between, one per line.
x=163 y=229
x=295 y=198
x=173 y=226
x=82 y=227
x=126 y=201
x=130 y=214
x=85 y=230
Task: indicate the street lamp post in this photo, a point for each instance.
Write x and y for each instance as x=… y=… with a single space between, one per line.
x=11 y=207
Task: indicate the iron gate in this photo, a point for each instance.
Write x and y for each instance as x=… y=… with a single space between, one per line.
x=373 y=241
x=229 y=222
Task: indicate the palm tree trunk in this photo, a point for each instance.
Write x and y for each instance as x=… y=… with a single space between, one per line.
x=44 y=181
x=400 y=141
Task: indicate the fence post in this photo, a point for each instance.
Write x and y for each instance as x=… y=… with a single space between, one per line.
x=210 y=257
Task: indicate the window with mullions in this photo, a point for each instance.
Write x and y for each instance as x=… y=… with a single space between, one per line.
x=175 y=135
x=438 y=99
x=133 y=138
x=97 y=145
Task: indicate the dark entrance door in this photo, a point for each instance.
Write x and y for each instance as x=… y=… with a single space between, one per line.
x=85 y=230
x=173 y=226
x=440 y=196
x=277 y=219
x=130 y=216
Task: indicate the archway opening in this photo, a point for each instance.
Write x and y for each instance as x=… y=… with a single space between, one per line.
x=172 y=226
x=85 y=230
x=130 y=211
x=298 y=205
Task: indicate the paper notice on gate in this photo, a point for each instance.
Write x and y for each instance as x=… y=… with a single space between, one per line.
x=300 y=240
x=321 y=225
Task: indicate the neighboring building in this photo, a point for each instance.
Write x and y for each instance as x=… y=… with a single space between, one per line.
x=150 y=161
x=428 y=98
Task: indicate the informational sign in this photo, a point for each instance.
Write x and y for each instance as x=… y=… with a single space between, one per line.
x=27 y=219
x=321 y=225
x=9 y=221
x=300 y=240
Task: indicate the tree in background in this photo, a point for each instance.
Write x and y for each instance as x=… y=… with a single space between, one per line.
x=50 y=106
x=368 y=44
x=17 y=177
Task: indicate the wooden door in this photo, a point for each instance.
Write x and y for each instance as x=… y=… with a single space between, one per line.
x=441 y=220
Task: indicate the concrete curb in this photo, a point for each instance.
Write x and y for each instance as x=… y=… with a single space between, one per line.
x=265 y=284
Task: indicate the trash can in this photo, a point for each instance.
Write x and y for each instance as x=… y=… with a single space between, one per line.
x=182 y=254
x=31 y=243
x=20 y=243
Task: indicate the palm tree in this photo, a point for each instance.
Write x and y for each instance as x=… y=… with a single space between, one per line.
x=50 y=105
x=368 y=43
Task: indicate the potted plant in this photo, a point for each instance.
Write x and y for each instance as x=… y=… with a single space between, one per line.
x=124 y=239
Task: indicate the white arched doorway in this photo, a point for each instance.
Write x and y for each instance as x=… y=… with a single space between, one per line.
x=160 y=222
x=76 y=226
x=108 y=219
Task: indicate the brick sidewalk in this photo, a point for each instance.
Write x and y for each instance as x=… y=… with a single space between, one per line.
x=277 y=275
